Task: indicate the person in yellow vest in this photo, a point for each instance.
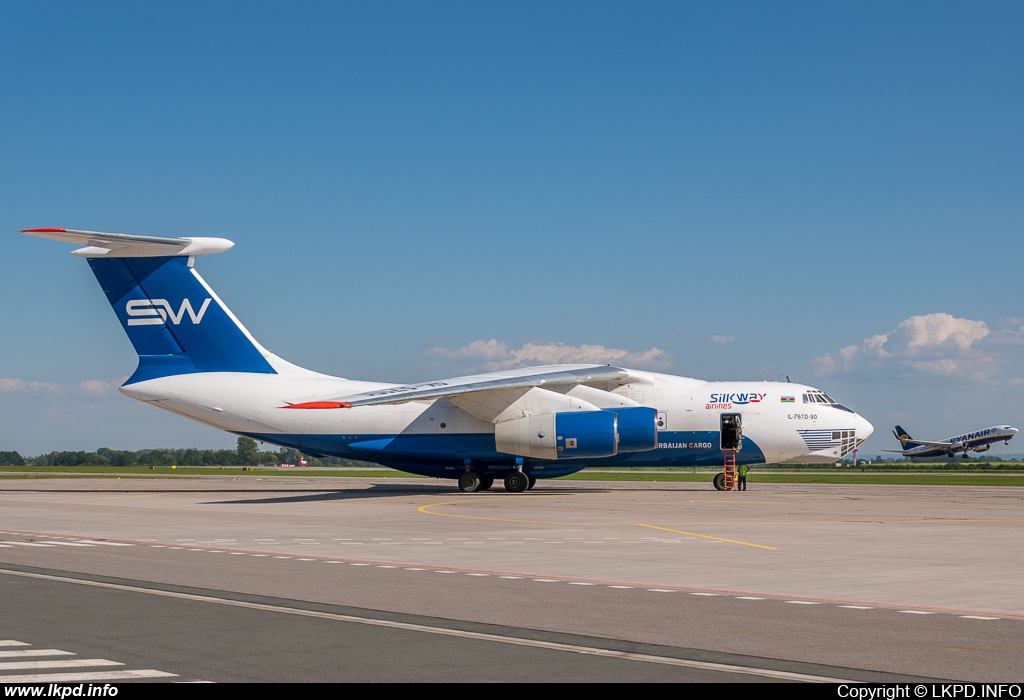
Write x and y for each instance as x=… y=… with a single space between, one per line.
x=741 y=485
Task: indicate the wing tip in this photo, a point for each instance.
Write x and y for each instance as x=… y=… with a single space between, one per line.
x=44 y=230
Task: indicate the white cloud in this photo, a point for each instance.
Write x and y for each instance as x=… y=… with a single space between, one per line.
x=97 y=387
x=11 y=385
x=496 y=356
x=723 y=339
x=931 y=344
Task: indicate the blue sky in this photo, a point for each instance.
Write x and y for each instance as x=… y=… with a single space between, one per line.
x=831 y=191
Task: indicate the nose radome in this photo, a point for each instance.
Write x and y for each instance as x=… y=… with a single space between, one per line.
x=864 y=429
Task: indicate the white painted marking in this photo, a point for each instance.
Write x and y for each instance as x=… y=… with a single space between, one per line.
x=668 y=590
x=546 y=580
x=13 y=643
x=99 y=541
x=34 y=652
x=857 y=607
x=259 y=555
x=386 y=566
x=72 y=544
x=357 y=563
x=414 y=568
x=708 y=594
x=283 y=557
x=803 y=602
x=748 y=597
x=305 y=560
x=29 y=544
x=196 y=549
x=60 y=663
x=621 y=586
x=511 y=577
x=917 y=612
x=5 y=545
x=581 y=583
x=477 y=574
x=978 y=617
x=442 y=571
x=86 y=676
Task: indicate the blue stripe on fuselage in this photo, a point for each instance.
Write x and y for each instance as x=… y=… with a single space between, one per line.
x=445 y=455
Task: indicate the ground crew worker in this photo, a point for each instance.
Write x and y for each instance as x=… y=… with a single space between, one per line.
x=742 y=484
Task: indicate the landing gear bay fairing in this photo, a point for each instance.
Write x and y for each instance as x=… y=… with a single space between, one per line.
x=197 y=360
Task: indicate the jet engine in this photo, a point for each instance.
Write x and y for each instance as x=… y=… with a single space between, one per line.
x=579 y=434
x=573 y=435
x=638 y=429
x=982 y=448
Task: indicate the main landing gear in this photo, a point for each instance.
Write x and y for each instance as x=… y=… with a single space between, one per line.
x=515 y=482
x=471 y=481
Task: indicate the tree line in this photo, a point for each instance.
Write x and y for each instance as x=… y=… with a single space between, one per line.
x=246 y=454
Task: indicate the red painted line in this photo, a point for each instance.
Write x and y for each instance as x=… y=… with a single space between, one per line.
x=319 y=404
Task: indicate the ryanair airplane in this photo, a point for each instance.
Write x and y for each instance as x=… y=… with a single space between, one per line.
x=197 y=360
x=979 y=441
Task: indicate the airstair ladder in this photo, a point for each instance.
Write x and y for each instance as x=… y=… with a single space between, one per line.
x=730 y=470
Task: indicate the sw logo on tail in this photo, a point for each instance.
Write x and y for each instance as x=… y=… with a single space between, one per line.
x=153 y=312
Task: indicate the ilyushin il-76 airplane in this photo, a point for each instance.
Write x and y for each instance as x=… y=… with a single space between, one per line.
x=978 y=440
x=197 y=360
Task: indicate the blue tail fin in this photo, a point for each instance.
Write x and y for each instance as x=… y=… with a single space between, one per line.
x=904 y=437
x=177 y=323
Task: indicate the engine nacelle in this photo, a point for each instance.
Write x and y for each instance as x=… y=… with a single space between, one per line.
x=573 y=435
x=638 y=429
x=982 y=448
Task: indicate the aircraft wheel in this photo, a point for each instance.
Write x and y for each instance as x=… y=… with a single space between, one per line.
x=486 y=482
x=516 y=482
x=720 y=481
x=469 y=482
x=533 y=482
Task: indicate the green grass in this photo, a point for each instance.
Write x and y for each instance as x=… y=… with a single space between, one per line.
x=935 y=477
x=163 y=472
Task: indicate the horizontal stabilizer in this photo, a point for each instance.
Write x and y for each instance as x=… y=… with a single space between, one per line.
x=123 y=245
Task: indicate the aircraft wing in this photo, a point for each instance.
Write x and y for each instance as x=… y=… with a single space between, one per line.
x=940 y=445
x=597 y=376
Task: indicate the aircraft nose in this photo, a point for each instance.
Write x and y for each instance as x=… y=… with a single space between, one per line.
x=864 y=429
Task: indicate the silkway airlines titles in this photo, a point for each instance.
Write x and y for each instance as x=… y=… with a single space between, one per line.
x=197 y=360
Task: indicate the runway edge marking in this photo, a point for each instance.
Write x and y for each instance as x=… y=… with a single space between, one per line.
x=428 y=629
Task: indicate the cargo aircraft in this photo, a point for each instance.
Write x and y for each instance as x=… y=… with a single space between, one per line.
x=978 y=441
x=197 y=360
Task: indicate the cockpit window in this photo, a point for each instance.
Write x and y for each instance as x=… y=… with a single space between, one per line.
x=819 y=397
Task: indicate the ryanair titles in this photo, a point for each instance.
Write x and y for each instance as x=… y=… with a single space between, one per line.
x=726 y=401
x=974 y=436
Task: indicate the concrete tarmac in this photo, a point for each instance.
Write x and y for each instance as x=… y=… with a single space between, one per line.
x=846 y=582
